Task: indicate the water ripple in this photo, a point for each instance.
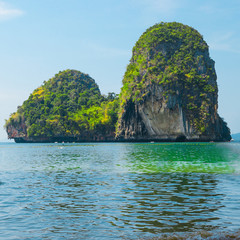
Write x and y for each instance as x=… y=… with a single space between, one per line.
x=117 y=191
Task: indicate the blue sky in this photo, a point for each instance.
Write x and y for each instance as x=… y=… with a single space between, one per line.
x=40 y=38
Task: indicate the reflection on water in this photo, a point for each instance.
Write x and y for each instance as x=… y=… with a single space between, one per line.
x=117 y=191
x=180 y=202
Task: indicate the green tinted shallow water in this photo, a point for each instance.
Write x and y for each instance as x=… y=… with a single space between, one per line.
x=185 y=157
x=117 y=190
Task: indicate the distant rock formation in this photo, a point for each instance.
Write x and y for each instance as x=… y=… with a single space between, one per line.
x=169 y=89
x=68 y=107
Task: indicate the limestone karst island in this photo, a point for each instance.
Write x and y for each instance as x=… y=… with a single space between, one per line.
x=169 y=93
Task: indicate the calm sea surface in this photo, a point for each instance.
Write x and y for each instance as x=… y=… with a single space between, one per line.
x=117 y=190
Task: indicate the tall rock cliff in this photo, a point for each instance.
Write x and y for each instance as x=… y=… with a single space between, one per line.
x=169 y=89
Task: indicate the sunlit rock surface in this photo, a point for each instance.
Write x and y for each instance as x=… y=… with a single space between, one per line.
x=169 y=89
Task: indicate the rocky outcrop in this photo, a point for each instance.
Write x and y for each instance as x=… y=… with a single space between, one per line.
x=66 y=139
x=169 y=93
x=169 y=89
x=67 y=108
x=17 y=129
x=18 y=132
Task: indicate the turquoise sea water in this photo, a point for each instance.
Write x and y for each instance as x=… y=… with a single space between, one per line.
x=117 y=190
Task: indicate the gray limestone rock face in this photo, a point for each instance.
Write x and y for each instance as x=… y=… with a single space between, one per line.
x=170 y=90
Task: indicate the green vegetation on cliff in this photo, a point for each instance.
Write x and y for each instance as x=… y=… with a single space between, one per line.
x=175 y=57
x=169 y=93
x=68 y=105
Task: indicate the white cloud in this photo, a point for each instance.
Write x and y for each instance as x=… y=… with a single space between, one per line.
x=207 y=9
x=105 y=51
x=112 y=52
x=224 y=42
x=7 y=12
x=162 y=6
